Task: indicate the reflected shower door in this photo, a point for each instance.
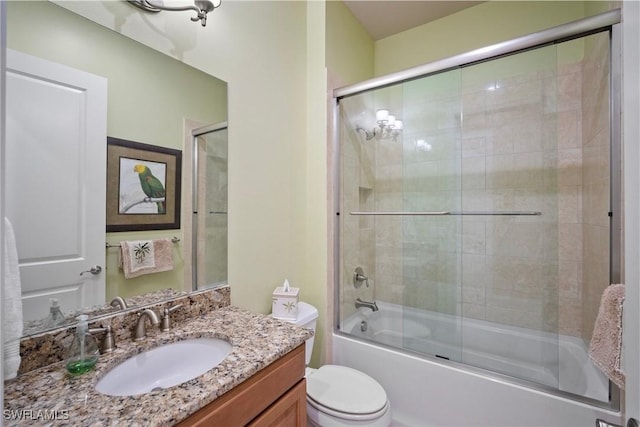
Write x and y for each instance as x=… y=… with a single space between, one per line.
x=210 y=200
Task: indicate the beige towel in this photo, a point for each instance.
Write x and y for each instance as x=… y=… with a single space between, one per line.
x=146 y=256
x=606 y=342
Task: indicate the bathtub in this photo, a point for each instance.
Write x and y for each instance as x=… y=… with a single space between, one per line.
x=388 y=345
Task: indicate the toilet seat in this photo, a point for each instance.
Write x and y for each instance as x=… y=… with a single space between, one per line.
x=346 y=393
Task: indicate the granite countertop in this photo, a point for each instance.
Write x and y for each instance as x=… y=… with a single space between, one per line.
x=36 y=397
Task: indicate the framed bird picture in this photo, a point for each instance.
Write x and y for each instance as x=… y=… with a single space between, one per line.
x=143 y=186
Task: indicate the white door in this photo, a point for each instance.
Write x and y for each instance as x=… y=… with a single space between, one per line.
x=55 y=181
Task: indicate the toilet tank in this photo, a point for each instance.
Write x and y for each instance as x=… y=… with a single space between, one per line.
x=307 y=317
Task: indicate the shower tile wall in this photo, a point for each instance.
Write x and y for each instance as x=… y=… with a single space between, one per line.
x=509 y=163
x=528 y=140
x=357 y=237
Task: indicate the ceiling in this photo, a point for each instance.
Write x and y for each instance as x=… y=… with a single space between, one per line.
x=382 y=18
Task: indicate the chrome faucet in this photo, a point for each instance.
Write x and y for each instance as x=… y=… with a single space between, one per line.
x=141 y=331
x=372 y=305
x=118 y=302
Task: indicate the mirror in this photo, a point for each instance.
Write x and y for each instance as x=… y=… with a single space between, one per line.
x=150 y=96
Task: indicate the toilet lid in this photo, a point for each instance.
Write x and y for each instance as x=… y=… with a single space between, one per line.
x=346 y=390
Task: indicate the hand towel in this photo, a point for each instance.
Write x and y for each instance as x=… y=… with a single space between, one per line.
x=11 y=304
x=606 y=342
x=146 y=256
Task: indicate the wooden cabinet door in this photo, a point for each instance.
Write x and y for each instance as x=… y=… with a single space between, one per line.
x=289 y=411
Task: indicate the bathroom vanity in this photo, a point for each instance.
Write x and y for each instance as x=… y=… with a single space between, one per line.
x=275 y=396
x=260 y=383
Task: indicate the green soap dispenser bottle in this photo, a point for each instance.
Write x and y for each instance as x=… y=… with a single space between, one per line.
x=83 y=352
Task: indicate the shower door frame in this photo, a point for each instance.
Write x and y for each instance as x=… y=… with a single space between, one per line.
x=604 y=22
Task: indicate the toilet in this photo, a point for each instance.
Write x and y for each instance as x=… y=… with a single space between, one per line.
x=339 y=396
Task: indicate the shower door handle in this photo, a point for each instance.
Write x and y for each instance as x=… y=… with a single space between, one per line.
x=453 y=213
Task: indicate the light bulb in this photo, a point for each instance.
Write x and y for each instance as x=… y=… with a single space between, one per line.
x=391 y=121
x=382 y=116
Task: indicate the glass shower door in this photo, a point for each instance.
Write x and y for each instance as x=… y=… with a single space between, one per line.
x=456 y=215
x=510 y=254
x=483 y=223
x=431 y=188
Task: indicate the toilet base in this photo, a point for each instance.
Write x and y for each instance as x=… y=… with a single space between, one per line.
x=316 y=418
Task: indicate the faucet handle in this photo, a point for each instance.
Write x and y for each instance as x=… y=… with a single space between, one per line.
x=359 y=277
x=108 y=342
x=166 y=317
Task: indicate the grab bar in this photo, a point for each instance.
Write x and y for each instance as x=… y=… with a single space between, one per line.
x=442 y=213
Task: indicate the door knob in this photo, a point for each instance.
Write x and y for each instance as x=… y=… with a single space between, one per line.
x=95 y=270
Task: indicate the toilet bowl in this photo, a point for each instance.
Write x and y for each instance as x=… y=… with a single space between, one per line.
x=339 y=396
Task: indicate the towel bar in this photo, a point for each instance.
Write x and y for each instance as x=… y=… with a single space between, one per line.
x=109 y=245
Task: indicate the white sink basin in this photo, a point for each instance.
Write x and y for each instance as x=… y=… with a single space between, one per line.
x=164 y=366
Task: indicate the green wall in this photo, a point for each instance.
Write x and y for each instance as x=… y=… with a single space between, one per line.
x=349 y=48
x=479 y=26
x=149 y=95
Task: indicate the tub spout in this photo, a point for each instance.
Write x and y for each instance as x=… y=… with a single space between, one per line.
x=372 y=305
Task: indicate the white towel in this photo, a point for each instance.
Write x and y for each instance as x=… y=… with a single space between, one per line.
x=12 y=304
x=146 y=256
x=605 y=348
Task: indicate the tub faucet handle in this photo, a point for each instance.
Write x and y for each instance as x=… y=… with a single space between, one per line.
x=359 y=277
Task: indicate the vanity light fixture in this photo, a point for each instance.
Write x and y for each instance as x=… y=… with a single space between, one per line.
x=388 y=127
x=201 y=7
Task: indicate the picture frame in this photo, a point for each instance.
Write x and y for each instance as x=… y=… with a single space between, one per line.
x=143 y=186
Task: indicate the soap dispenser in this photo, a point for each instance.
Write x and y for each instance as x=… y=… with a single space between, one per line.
x=55 y=318
x=83 y=352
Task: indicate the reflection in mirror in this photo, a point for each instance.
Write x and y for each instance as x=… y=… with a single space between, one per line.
x=210 y=160
x=149 y=97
